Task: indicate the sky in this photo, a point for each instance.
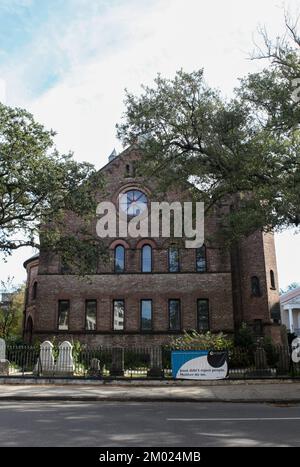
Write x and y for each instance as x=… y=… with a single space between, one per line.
x=69 y=61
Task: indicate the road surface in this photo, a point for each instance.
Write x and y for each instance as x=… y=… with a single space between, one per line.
x=148 y=424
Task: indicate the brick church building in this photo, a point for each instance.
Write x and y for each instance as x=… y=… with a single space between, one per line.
x=153 y=288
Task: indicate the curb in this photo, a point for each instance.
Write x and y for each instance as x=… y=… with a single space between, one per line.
x=42 y=381
x=145 y=399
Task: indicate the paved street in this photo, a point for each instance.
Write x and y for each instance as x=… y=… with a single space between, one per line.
x=148 y=424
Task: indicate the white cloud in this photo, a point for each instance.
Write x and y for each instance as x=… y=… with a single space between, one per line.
x=288 y=257
x=132 y=44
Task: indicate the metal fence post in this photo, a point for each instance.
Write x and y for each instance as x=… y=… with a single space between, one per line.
x=156 y=369
x=117 y=364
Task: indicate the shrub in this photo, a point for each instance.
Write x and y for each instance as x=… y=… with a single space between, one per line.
x=241 y=358
x=245 y=338
x=134 y=360
x=272 y=353
x=206 y=341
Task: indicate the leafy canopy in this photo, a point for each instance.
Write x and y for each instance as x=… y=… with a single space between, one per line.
x=245 y=150
x=38 y=186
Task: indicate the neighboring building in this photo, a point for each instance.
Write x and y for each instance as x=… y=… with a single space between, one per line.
x=290 y=310
x=32 y=266
x=152 y=289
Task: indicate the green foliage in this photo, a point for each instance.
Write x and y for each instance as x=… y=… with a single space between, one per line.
x=272 y=352
x=38 y=186
x=245 y=338
x=241 y=358
x=77 y=350
x=245 y=151
x=11 y=313
x=134 y=360
x=206 y=341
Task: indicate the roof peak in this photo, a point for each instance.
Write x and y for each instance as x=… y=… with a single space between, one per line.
x=113 y=155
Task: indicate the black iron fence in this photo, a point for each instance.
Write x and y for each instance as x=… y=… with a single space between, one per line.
x=137 y=362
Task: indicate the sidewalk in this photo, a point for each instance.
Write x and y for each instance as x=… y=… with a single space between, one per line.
x=242 y=391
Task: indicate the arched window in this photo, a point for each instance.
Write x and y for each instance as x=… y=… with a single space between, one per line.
x=146 y=258
x=201 y=259
x=173 y=259
x=34 y=291
x=119 y=258
x=255 y=286
x=133 y=202
x=272 y=279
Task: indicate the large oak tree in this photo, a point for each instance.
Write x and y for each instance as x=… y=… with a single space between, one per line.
x=38 y=185
x=246 y=149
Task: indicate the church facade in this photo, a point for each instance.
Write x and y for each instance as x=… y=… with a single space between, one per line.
x=153 y=288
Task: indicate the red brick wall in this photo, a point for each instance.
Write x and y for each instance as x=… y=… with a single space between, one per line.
x=160 y=286
x=132 y=288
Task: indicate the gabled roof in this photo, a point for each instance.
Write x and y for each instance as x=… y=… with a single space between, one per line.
x=290 y=295
x=118 y=156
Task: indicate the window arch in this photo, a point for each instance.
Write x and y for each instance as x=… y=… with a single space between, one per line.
x=272 y=279
x=119 y=258
x=255 y=286
x=201 y=259
x=146 y=258
x=34 y=290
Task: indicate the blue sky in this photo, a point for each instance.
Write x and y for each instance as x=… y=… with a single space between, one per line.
x=68 y=62
x=31 y=32
x=22 y=23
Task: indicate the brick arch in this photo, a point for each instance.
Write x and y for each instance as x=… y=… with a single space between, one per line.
x=145 y=241
x=131 y=186
x=118 y=242
x=134 y=186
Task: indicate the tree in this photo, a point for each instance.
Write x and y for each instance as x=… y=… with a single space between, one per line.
x=221 y=150
x=245 y=337
x=38 y=186
x=290 y=287
x=274 y=93
x=273 y=97
x=11 y=310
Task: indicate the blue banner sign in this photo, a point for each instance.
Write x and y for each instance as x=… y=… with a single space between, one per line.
x=199 y=364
